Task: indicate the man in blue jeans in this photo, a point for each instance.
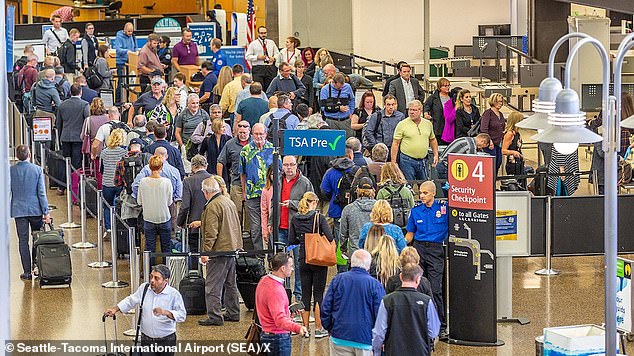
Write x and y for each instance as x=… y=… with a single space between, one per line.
x=124 y=42
x=29 y=205
x=412 y=138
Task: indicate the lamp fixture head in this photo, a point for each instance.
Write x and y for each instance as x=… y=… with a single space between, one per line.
x=543 y=105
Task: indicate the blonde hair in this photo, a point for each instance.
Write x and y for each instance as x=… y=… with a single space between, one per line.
x=385 y=256
x=224 y=77
x=221 y=184
x=170 y=93
x=372 y=239
x=461 y=94
x=97 y=107
x=217 y=125
x=321 y=63
x=494 y=98
x=155 y=163
x=116 y=138
x=303 y=207
x=391 y=172
x=381 y=212
x=512 y=120
x=409 y=255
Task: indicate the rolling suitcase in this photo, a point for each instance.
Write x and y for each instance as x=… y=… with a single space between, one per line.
x=54 y=265
x=192 y=288
x=178 y=264
x=91 y=195
x=249 y=271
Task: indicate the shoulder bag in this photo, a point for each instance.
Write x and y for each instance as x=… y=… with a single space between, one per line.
x=319 y=251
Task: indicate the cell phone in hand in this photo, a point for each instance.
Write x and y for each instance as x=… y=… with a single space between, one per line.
x=295 y=307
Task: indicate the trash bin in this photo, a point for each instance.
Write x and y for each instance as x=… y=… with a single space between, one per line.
x=539 y=345
x=578 y=340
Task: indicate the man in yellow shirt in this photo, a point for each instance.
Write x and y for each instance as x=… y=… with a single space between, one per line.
x=412 y=138
x=231 y=91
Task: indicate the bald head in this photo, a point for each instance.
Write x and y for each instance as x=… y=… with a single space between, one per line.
x=361 y=259
x=161 y=152
x=128 y=29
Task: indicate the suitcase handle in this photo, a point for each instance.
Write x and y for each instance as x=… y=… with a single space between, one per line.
x=104 y=317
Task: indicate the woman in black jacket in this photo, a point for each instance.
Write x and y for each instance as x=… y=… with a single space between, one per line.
x=467 y=115
x=313 y=277
x=434 y=107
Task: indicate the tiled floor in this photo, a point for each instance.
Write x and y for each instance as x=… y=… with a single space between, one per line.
x=574 y=297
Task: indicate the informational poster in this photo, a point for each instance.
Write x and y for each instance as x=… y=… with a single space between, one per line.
x=624 y=295
x=202 y=34
x=42 y=129
x=506 y=225
x=472 y=301
x=327 y=143
x=234 y=55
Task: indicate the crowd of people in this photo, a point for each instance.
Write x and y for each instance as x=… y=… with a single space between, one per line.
x=202 y=160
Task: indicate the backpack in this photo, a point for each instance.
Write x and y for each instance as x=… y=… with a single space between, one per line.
x=60 y=89
x=400 y=206
x=118 y=125
x=132 y=166
x=143 y=136
x=344 y=196
x=362 y=172
x=269 y=135
x=624 y=173
x=192 y=149
x=93 y=78
x=365 y=131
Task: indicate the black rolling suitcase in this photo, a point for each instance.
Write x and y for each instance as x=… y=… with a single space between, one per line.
x=91 y=195
x=249 y=271
x=56 y=166
x=192 y=288
x=123 y=245
x=54 y=265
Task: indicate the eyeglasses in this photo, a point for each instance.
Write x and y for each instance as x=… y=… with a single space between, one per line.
x=446 y=85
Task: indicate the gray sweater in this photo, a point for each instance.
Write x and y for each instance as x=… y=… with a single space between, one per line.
x=353 y=217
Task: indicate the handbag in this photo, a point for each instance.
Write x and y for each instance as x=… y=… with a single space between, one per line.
x=253 y=334
x=474 y=130
x=319 y=251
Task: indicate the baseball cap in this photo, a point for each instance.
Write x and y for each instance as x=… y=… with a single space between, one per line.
x=137 y=141
x=365 y=183
x=315 y=121
x=158 y=80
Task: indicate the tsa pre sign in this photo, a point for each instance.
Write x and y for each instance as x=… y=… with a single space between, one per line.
x=471 y=182
x=315 y=142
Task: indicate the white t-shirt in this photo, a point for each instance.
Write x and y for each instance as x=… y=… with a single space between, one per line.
x=155 y=196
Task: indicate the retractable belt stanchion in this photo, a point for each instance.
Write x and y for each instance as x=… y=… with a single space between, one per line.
x=82 y=203
x=115 y=282
x=100 y=263
x=42 y=156
x=69 y=200
x=134 y=279
x=548 y=271
x=146 y=266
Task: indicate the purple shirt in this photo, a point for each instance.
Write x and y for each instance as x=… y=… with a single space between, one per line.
x=185 y=54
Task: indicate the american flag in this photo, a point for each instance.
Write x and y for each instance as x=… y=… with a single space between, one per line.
x=251 y=34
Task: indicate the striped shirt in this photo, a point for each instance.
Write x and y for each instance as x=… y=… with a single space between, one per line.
x=109 y=159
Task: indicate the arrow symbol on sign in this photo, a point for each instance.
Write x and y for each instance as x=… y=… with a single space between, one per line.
x=466 y=227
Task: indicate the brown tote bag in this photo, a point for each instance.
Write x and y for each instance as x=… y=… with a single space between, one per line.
x=319 y=251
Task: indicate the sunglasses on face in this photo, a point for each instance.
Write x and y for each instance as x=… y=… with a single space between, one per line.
x=243 y=125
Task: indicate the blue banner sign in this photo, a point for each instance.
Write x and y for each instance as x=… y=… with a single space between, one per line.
x=10 y=32
x=315 y=142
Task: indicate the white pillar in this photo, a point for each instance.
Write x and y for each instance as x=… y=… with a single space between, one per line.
x=5 y=301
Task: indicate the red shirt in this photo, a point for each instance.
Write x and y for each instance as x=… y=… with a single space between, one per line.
x=271 y=303
x=286 y=195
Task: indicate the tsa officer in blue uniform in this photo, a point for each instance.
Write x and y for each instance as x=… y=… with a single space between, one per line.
x=217 y=59
x=428 y=227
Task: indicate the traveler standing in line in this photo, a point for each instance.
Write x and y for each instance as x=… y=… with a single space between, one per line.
x=350 y=308
x=101 y=65
x=435 y=104
x=337 y=116
x=155 y=195
x=70 y=119
x=149 y=64
x=409 y=316
x=229 y=158
x=54 y=37
x=29 y=205
x=355 y=215
x=406 y=89
x=428 y=228
x=261 y=53
x=493 y=123
x=125 y=42
x=163 y=307
x=110 y=155
x=271 y=305
x=220 y=231
x=89 y=45
x=313 y=277
x=467 y=115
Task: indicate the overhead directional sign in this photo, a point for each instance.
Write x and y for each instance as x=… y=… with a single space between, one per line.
x=315 y=142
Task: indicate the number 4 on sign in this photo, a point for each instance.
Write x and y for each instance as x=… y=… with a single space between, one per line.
x=477 y=172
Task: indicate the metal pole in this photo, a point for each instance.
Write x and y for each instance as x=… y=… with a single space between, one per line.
x=146 y=266
x=82 y=204
x=595 y=180
x=276 y=183
x=134 y=278
x=426 y=37
x=69 y=200
x=42 y=157
x=548 y=271
x=100 y=263
x=5 y=296
x=115 y=282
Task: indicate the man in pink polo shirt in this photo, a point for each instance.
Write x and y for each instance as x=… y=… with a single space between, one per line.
x=271 y=304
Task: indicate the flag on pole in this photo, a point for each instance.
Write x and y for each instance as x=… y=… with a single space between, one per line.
x=251 y=34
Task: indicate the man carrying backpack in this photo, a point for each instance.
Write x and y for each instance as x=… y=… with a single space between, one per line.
x=337 y=184
x=27 y=76
x=62 y=85
x=67 y=54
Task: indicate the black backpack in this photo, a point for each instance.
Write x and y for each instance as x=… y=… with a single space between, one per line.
x=93 y=78
x=344 y=196
x=400 y=206
x=143 y=137
x=363 y=172
x=132 y=166
x=60 y=89
x=118 y=125
x=269 y=135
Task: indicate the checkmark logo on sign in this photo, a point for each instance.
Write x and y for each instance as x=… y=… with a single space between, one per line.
x=334 y=144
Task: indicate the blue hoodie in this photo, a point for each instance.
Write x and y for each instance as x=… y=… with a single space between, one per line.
x=351 y=305
x=123 y=44
x=330 y=183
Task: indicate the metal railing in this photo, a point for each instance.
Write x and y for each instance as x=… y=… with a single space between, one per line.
x=509 y=71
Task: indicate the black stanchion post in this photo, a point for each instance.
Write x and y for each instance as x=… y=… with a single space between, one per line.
x=276 y=182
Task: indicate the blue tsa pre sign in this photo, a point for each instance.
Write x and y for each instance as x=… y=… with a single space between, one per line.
x=315 y=142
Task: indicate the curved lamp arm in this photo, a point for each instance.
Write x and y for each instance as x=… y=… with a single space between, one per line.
x=553 y=51
x=626 y=45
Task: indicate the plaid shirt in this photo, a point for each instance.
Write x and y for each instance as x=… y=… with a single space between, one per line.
x=625 y=140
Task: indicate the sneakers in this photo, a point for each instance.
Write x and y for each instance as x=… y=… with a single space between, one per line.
x=209 y=322
x=26 y=276
x=443 y=335
x=320 y=333
x=298 y=319
x=36 y=271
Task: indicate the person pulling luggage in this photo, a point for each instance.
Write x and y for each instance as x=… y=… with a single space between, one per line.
x=161 y=308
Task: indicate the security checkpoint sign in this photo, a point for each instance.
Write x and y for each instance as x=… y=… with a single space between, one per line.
x=315 y=142
x=42 y=129
x=471 y=247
